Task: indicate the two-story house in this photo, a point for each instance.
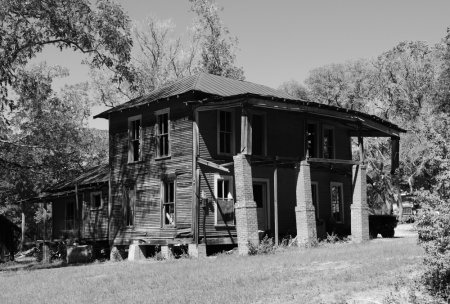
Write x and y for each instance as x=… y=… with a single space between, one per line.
x=209 y=161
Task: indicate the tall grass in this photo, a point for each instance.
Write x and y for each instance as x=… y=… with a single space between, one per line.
x=325 y=274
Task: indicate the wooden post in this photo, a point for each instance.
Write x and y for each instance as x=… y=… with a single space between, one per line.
x=22 y=239
x=275 y=199
x=195 y=178
x=246 y=133
x=77 y=209
x=361 y=149
x=108 y=232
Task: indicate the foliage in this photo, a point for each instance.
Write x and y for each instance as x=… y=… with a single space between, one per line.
x=217 y=48
x=101 y=30
x=433 y=225
x=265 y=246
x=47 y=139
x=295 y=89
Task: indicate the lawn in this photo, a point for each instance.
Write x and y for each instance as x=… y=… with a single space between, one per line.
x=327 y=274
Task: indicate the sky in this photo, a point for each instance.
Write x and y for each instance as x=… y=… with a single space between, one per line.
x=283 y=40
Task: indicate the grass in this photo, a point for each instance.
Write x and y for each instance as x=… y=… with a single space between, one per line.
x=328 y=274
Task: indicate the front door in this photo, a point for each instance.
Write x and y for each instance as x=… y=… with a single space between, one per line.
x=260 y=197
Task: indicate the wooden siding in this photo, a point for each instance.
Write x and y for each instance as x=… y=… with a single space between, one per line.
x=146 y=175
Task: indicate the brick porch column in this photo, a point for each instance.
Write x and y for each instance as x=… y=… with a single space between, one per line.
x=359 y=208
x=304 y=211
x=246 y=217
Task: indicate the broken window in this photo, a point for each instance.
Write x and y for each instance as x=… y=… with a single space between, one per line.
x=162 y=133
x=337 y=202
x=311 y=140
x=225 y=129
x=258 y=134
x=134 y=131
x=96 y=200
x=328 y=143
x=168 y=203
x=225 y=202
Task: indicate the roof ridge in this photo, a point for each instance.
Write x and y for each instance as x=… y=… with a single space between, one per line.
x=197 y=79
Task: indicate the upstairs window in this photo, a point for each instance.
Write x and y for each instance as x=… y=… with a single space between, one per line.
x=328 y=142
x=311 y=140
x=337 y=198
x=225 y=130
x=163 y=133
x=258 y=134
x=224 y=201
x=134 y=134
x=96 y=200
x=168 y=203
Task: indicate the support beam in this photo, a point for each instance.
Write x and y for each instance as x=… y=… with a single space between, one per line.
x=77 y=209
x=275 y=199
x=22 y=238
x=359 y=208
x=212 y=165
x=305 y=214
x=195 y=177
x=361 y=149
x=246 y=133
x=333 y=161
x=246 y=217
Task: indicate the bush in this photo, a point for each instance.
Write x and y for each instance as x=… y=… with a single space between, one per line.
x=266 y=246
x=433 y=224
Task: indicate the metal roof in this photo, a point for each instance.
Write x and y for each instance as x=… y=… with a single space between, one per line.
x=202 y=82
x=94 y=175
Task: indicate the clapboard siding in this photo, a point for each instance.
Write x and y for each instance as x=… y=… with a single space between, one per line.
x=146 y=175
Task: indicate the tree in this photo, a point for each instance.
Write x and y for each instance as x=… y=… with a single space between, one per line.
x=101 y=30
x=48 y=139
x=295 y=89
x=217 y=47
x=343 y=85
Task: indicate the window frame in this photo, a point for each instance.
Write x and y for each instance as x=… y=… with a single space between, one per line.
x=316 y=184
x=102 y=203
x=341 y=207
x=324 y=128
x=131 y=119
x=163 y=203
x=264 y=119
x=233 y=132
x=158 y=135
x=317 y=138
x=229 y=178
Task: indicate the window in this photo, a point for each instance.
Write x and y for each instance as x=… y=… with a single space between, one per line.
x=225 y=129
x=337 y=193
x=315 y=197
x=258 y=134
x=311 y=140
x=96 y=200
x=70 y=215
x=224 y=201
x=168 y=203
x=328 y=142
x=130 y=201
x=163 y=133
x=134 y=134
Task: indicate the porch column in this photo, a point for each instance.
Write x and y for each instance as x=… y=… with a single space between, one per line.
x=304 y=211
x=359 y=208
x=246 y=218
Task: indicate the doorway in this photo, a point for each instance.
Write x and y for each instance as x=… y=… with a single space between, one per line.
x=261 y=198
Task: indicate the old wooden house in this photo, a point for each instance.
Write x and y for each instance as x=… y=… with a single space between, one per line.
x=79 y=207
x=209 y=161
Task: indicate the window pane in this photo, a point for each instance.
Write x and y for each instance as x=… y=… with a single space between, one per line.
x=171 y=192
x=220 y=189
x=225 y=212
x=312 y=140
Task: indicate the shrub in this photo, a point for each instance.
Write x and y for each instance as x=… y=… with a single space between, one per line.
x=433 y=224
x=266 y=246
